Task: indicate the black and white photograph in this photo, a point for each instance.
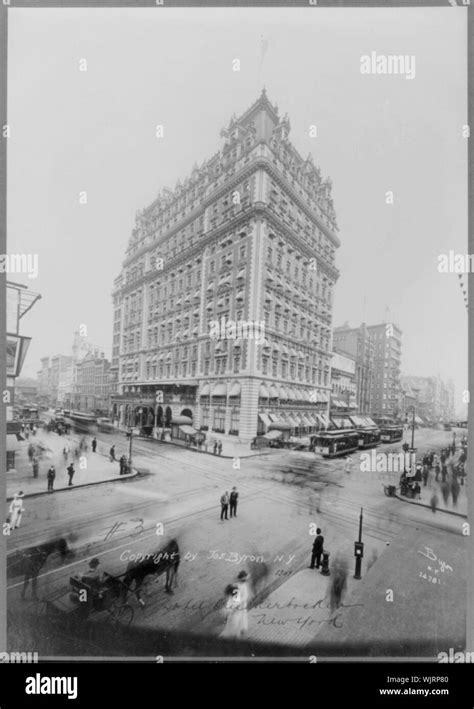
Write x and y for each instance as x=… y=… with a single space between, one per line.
x=236 y=273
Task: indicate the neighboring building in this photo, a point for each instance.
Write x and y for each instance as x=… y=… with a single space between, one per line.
x=26 y=391
x=434 y=397
x=44 y=381
x=343 y=384
x=61 y=374
x=357 y=343
x=386 y=339
x=91 y=387
x=249 y=237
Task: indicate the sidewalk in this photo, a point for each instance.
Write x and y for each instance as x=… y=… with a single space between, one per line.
x=232 y=447
x=90 y=469
x=426 y=573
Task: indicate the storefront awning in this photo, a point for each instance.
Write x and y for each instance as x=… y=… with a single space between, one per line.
x=264 y=419
x=181 y=420
x=205 y=390
x=235 y=389
x=219 y=390
x=282 y=393
x=273 y=392
x=293 y=423
x=263 y=392
x=272 y=435
x=188 y=429
x=280 y=426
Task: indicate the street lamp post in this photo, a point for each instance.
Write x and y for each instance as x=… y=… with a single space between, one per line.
x=359 y=549
x=413 y=422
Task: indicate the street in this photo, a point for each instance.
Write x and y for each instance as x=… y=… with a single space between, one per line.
x=281 y=494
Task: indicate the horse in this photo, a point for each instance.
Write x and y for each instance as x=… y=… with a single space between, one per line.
x=164 y=561
x=34 y=558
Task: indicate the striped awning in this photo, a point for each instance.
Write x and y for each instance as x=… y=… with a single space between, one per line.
x=273 y=392
x=282 y=393
x=263 y=392
x=205 y=390
x=264 y=418
x=235 y=389
x=219 y=389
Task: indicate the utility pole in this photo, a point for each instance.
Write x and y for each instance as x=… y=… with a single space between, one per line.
x=359 y=549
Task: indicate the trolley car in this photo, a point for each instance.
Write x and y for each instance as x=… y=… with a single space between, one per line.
x=334 y=443
x=391 y=434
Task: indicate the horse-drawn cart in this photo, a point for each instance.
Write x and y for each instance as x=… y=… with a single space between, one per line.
x=82 y=599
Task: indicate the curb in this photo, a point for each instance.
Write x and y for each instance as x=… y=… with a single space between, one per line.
x=438 y=509
x=196 y=450
x=128 y=476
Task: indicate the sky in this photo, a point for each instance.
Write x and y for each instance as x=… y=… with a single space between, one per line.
x=95 y=131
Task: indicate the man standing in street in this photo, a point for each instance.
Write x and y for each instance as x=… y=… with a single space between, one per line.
x=70 y=472
x=94 y=444
x=16 y=510
x=224 y=505
x=348 y=465
x=234 y=496
x=35 y=467
x=318 y=545
x=51 y=475
x=112 y=453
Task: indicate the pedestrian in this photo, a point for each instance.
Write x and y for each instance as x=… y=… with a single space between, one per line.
x=77 y=453
x=31 y=452
x=444 y=472
x=445 y=492
x=224 y=505
x=455 y=489
x=50 y=476
x=16 y=510
x=231 y=628
x=318 y=547
x=434 y=502
x=234 y=496
x=70 y=472
x=66 y=452
x=338 y=587
x=348 y=464
x=425 y=473
x=94 y=444
x=241 y=620
x=219 y=447
x=123 y=464
x=214 y=448
x=437 y=471
x=35 y=467
x=112 y=453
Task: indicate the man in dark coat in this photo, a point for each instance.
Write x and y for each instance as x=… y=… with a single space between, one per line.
x=94 y=444
x=318 y=545
x=51 y=475
x=70 y=472
x=112 y=453
x=234 y=496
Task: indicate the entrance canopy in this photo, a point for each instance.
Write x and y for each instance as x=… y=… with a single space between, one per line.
x=273 y=435
x=189 y=430
x=181 y=420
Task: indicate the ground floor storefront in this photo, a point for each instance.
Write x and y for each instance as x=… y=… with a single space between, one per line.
x=245 y=408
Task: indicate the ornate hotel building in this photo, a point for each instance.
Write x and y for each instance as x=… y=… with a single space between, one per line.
x=249 y=236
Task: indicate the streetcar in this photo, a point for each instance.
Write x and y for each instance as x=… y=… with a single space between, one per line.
x=82 y=422
x=391 y=434
x=369 y=437
x=334 y=443
x=105 y=425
